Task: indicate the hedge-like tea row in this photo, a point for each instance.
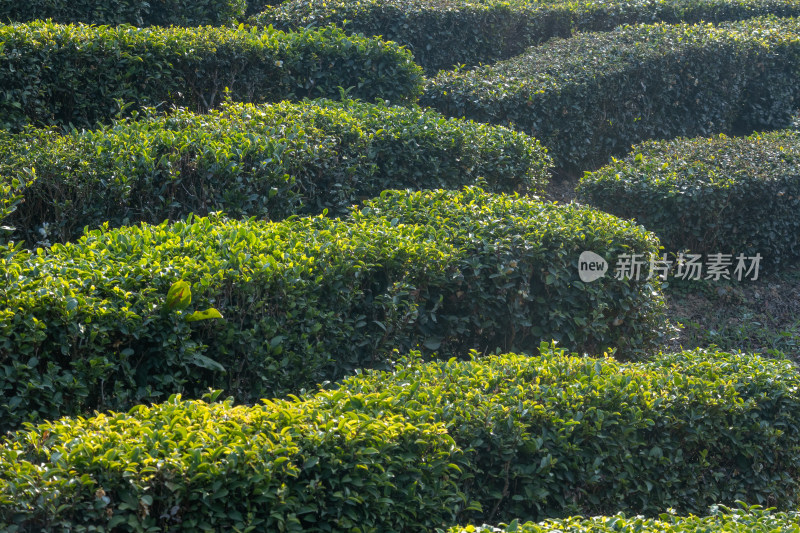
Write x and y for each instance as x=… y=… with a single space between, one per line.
x=443 y=33
x=75 y=74
x=430 y=445
x=116 y=12
x=723 y=520
x=710 y=195
x=86 y=325
x=596 y=94
x=268 y=161
x=192 y=466
x=518 y=278
x=560 y=435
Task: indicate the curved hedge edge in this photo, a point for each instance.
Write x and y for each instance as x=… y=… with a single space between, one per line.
x=487 y=439
x=87 y=325
x=443 y=34
x=116 y=12
x=560 y=435
x=535 y=248
x=194 y=466
x=745 y=519
x=80 y=75
x=735 y=196
x=594 y=95
x=267 y=161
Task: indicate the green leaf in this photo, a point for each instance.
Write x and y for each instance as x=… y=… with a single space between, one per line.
x=206 y=362
x=179 y=296
x=204 y=315
x=433 y=343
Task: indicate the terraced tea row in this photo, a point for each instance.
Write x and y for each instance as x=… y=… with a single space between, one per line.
x=82 y=75
x=730 y=195
x=407 y=294
x=267 y=161
x=585 y=98
x=86 y=326
x=429 y=445
x=594 y=95
x=443 y=33
x=136 y=12
x=723 y=520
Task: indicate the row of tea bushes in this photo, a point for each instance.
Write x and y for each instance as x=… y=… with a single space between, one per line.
x=596 y=94
x=192 y=466
x=710 y=195
x=116 y=12
x=81 y=75
x=519 y=282
x=88 y=326
x=723 y=520
x=443 y=33
x=134 y=12
x=267 y=161
x=429 y=445
x=560 y=435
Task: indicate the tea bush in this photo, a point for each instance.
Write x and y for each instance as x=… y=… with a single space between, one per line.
x=710 y=195
x=268 y=161
x=429 y=445
x=594 y=95
x=192 y=466
x=723 y=519
x=257 y=6
x=518 y=281
x=443 y=33
x=9 y=201
x=559 y=435
x=85 y=325
x=81 y=75
x=136 y=12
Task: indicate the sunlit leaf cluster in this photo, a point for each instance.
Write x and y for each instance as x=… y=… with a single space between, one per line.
x=427 y=444
x=90 y=325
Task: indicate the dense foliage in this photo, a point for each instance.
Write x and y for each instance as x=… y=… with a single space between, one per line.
x=727 y=195
x=723 y=520
x=85 y=325
x=268 y=161
x=427 y=445
x=257 y=6
x=9 y=201
x=559 y=435
x=394 y=314
x=595 y=94
x=115 y=12
x=518 y=282
x=444 y=33
x=192 y=466
x=80 y=75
